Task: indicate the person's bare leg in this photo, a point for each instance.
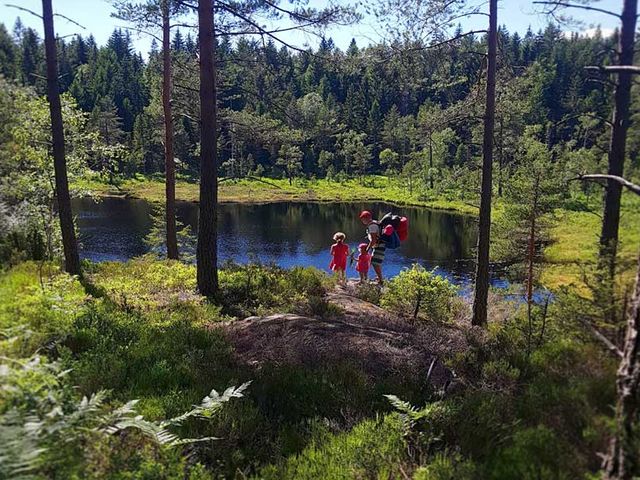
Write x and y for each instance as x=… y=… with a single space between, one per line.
x=378 y=269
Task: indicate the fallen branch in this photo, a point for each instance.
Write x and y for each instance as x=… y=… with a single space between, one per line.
x=601 y=176
x=614 y=69
x=602 y=338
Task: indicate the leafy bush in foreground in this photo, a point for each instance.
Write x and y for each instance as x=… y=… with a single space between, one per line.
x=256 y=289
x=418 y=293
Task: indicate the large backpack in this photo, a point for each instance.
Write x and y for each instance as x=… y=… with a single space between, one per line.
x=393 y=230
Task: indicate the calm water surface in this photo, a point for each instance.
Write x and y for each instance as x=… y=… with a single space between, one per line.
x=287 y=234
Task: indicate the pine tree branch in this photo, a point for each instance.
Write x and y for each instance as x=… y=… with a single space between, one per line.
x=622 y=181
x=11 y=5
x=587 y=114
x=69 y=20
x=557 y=5
x=140 y=30
x=633 y=69
x=259 y=30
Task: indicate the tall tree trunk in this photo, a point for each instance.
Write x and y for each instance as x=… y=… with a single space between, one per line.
x=531 y=251
x=622 y=462
x=70 y=246
x=484 y=228
x=207 y=252
x=617 y=145
x=169 y=165
x=430 y=160
x=500 y=157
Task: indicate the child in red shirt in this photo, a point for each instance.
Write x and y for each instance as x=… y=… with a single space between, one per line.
x=339 y=254
x=364 y=260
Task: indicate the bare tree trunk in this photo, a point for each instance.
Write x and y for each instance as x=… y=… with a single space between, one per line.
x=169 y=165
x=430 y=160
x=500 y=158
x=70 y=246
x=617 y=145
x=622 y=462
x=531 y=250
x=484 y=228
x=207 y=251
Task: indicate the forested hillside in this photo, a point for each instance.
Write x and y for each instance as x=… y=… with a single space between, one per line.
x=409 y=110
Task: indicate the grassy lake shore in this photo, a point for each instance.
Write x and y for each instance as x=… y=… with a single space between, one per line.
x=370 y=189
x=572 y=251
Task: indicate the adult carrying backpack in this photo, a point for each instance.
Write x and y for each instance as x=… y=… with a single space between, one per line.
x=394 y=229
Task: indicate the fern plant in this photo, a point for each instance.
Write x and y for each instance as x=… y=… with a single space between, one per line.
x=423 y=427
x=41 y=420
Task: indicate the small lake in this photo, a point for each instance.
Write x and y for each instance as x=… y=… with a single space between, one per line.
x=287 y=234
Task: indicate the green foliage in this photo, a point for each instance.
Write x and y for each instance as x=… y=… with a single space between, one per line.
x=38 y=307
x=353 y=151
x=445 y=466
x=368 y=292
x=372 y=449
x=533 y=193
x=534 y=453
x=49 y=427
x=27 y=196
x=418 y=293
x=47 y=431
x=290 y=159
x=255 y=289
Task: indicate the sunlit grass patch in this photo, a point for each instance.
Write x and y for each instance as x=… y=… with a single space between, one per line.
x=372 y=188
x=147 y=283
x=575 y=244
x=41 y=302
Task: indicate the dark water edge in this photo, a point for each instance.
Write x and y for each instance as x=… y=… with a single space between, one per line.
x=285 y=233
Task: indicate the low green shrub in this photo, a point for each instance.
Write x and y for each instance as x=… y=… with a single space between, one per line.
x=445 y=466
x=369 y=293
x=256 y=289
x=418 y=293
x=372 y=449
x=535 y=452
x=167 y=355
x=39 y=305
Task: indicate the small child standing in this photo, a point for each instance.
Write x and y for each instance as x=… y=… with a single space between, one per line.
x=339 y=254
x=364 y=260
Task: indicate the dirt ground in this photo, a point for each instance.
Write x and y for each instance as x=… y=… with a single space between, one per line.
x=364 y=334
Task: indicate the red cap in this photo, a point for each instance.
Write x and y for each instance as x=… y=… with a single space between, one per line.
x=365 y=214
x=363 y=245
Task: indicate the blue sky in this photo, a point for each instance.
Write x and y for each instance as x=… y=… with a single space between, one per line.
x=95 y=16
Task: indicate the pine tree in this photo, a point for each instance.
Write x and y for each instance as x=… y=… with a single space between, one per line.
x=484 y=227
x=207 y=249
x=8 y=57
x=72 y=259
x=617 y=144
x=31 y=59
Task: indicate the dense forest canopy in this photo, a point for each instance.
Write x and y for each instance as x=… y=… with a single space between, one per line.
x=410 y=110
